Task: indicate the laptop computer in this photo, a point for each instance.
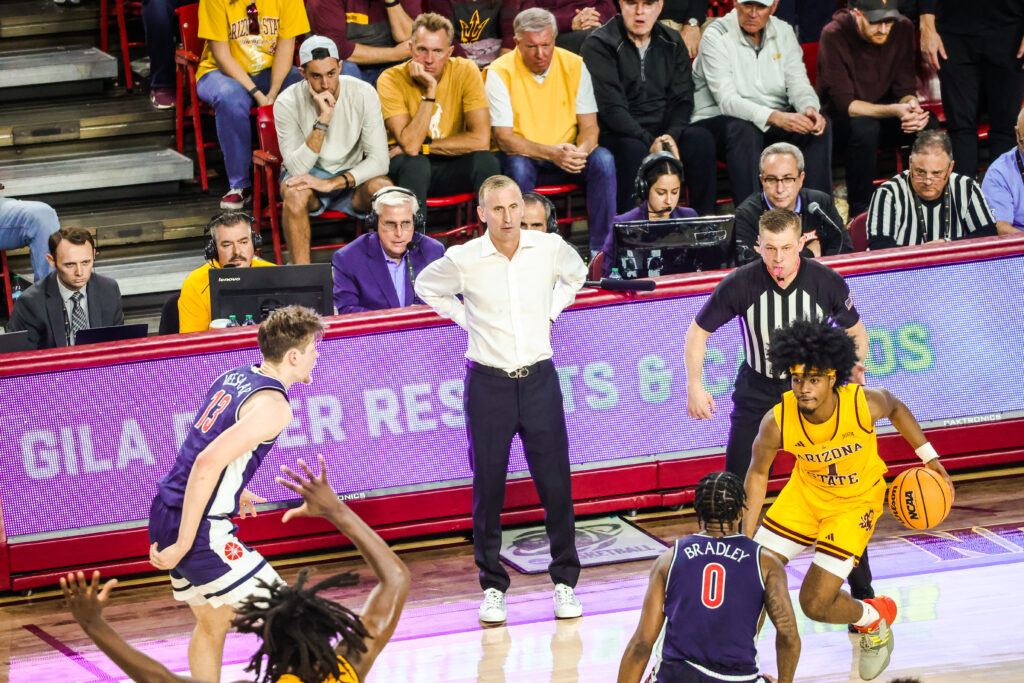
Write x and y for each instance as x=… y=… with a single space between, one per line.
x=12 y=342
x=95 y=335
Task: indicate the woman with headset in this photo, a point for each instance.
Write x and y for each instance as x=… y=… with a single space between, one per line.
x=656 y=189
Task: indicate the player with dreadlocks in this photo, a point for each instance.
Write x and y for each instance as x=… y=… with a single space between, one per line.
x=836 y=491
x=305 y=638
x=712 y=588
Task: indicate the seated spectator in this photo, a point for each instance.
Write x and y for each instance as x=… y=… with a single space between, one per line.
x=868 y=87
x=232 y=244
x=644 y=103
x=332 y=142
x=1003 y=186
x=928 y=202
x=752 y=90
x=782 y=187
x=483 y=28
x=377 y=270
x=538 y=213
x=161 y=27
x=435 y=112
x=544 y=119
x=28 y=224
x=371 y=35
x=73 y=298
x=687 y=17
x=656 y=192
x=576 y=19
x=247 y=61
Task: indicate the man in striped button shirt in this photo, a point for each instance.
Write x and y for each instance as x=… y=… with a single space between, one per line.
x=928 y=202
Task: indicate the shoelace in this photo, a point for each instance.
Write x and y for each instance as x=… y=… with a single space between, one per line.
x=493 y=599
x=565 y=595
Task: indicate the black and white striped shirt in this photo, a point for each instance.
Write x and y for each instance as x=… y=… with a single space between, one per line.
x=894 y=221
x=750 y=292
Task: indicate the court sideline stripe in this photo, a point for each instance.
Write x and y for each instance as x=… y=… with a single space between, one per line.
x=74 y=656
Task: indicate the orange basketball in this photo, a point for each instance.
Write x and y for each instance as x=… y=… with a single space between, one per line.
x=919 y=498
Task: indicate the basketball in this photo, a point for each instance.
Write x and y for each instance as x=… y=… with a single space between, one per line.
x=919 y=498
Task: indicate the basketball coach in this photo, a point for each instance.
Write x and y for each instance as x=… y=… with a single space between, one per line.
x=513 y=283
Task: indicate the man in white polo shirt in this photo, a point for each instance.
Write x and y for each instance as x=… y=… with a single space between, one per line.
x=332 y=141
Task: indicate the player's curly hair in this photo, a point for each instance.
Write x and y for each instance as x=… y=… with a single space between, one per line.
x=719 y=498
x=297 y=628
x=815 y=344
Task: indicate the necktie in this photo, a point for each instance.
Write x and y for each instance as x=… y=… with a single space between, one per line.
x=79 y=321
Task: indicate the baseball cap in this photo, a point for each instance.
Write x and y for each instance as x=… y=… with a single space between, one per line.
x=879 y=10
x=766 y=3
x=318 y=43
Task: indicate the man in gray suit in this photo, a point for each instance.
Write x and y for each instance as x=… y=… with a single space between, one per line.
x=70 y=299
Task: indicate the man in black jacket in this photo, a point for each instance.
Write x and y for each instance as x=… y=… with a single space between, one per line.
x=73 y=298
x=781 y=172
x=644 y=102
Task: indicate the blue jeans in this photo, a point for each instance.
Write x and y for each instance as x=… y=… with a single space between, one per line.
x=161 y=26
x=28 y=223
x=368 y=73
x=598 y=175
x=231 y=104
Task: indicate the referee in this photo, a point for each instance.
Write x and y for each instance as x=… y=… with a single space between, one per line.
x=513 y=283
x=928 y=202
x=767 y=294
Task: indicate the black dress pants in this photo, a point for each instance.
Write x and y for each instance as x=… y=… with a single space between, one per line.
x=498 y=408
x=753 y=396
x=438 y=176
x=981 y=68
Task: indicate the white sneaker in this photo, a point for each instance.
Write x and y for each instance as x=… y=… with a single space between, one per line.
x=567 y=605
x=492 y=609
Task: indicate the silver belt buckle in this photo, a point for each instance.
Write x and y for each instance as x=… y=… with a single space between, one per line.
x=519 y=373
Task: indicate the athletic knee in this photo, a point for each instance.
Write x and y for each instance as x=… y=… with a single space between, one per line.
x=295 y=200
x=814 y=605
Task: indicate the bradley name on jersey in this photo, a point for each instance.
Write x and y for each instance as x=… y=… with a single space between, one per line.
x=716 y=548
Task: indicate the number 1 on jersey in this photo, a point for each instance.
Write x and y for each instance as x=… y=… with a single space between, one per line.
x=712 y=592
x=218 y=403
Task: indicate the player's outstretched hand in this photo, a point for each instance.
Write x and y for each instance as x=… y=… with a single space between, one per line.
x=247 y=501
x=85 y=599
x=168 y=558
x=936 y=466
x=318 y=498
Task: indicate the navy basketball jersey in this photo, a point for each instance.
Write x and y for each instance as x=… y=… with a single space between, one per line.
x=218 y=413
x=714 y=595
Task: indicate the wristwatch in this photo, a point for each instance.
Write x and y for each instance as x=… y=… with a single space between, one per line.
x=320 y=126
x=692 y=22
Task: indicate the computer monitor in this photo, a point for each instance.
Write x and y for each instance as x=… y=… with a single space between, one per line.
x=259 y=291
x=97 y=335
x=673 y=245
x=13 y=342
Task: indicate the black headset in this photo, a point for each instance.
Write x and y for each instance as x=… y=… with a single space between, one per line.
x=419 y=216
x=225 y=219
x=550 y=215
x=641 y=187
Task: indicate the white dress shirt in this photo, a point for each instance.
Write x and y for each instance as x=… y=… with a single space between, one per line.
x=69 y=305
x=507 y=304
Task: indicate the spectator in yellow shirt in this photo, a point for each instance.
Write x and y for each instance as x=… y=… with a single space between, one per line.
x=435 y=111
x=248 y=59
x=231 y=246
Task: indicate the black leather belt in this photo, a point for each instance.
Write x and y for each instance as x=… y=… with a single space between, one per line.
x=518 y=373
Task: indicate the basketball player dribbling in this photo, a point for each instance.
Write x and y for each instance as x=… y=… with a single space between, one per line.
x=190 y=525
x=836 y=491
x=712 y=588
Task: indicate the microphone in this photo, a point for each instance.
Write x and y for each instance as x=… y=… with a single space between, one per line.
x=622 y=285
x=816 y=210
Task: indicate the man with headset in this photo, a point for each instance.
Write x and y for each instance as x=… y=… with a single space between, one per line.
x=232 y=244
x=378 y=269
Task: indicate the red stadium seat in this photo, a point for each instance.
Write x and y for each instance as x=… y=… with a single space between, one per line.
x=719 y=8
x=859 y=232
x=811 y=61
x=5 y=274
x=122 y=9
x=596 y=268
x=566 y=191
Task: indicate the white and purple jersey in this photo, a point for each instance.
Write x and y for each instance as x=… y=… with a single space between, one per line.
x=218 y=414
x=714 y=595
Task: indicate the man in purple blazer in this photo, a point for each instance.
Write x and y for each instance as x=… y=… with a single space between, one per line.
x=377 y=270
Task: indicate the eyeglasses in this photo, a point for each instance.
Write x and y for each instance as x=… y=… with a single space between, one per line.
x=254 y=19
x=922 y=174
x=405 y=226
x=785 y=181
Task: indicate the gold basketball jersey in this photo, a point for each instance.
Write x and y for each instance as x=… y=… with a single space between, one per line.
x=348 y=675
x=840 y=455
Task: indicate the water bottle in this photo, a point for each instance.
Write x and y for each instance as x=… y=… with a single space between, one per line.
x=16 y=288
x=615 y=274
x=248 y=320
x=232 y=321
